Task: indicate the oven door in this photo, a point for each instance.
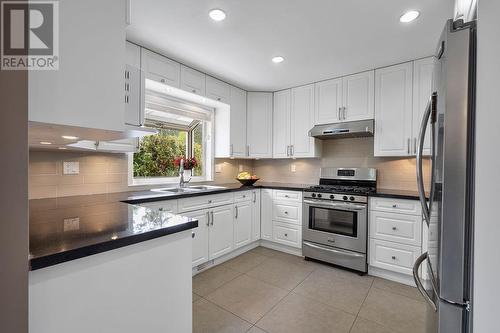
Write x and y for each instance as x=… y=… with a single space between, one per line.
x=338 y=224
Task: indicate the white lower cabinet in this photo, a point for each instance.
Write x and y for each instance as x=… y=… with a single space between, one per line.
x=266 y=224
x=393 y=256
x=287 y=234
x=242 y=223
x=200 y=236
x=256 y=214
x=220 y=233
x=169 y=206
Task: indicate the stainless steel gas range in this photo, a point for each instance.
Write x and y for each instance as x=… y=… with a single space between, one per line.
x=335 y=221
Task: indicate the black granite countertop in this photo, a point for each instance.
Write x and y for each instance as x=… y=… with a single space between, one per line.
x=68 y=228
x=397 y=194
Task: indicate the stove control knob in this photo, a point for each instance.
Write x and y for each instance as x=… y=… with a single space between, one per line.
x=332 y=196
x=344 y=197
x=313 y=195
x=319 y=195
x=351 y=198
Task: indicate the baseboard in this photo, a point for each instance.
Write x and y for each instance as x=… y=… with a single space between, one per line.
x=217 y=261
x=281 y=248
x=392 y=276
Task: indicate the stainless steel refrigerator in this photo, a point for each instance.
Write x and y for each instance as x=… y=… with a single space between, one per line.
x=449 y=120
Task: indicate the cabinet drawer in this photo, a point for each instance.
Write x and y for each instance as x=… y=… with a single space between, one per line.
x=287 y=195
x=243 y=196
x=393 y=256
x=166 y=205
x=400 y=228
x=396 y=206
x=287 y=212
x=205 y=201
x=287 y=234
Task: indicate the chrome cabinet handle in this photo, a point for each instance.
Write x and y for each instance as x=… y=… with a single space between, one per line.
x=231 y=149
x=212 y=214
x=208 y=219
x=419 y=284
x=393 y=257
x=394 y=228
x=248 y=150
x=254 y=196
x=408 y=144
x=344 y=113
x=287 y=151
x=339 y=115
x=292 y=150
x=415 y=146
x=192 y=234
x=236 y=211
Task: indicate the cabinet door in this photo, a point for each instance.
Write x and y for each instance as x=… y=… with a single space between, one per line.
x=200 y=237
x=159 y=68
x=238 y=116
x=256 y=215
x=260 y=124
x=393 y=110
x=134 y=96
x=422 y=89
x=301 y=121
x=133 y=55
x=218 y=90
x=221 y=231
x=328 y=101
x=192 y=81
x=242 y=223
x=266 y=223
x=281 y=123
x=358 y=96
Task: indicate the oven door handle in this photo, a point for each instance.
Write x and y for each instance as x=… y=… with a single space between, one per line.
x=349 y=206
x=336 y=251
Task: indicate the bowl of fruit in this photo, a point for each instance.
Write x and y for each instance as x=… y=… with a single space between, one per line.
x=246 y=178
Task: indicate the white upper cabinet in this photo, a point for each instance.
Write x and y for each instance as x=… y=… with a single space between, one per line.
x=133 y=55
x=422 y=89
x=134 y=86
x=238 y=127
x=358 y=96
x=328 y=98
x=301 y=121
x=293 y=117
x=87 y=90
x=218 y=90
x=260 y=124
x=281 y=124
x=161 y=69
x=393 y=110
x=192 y=81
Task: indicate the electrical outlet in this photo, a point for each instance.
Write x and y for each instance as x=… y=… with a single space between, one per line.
x=218 y=168
x=293 y=167
x=71 y=168
x=72 y=224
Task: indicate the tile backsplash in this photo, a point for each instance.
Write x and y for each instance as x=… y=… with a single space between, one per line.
x=108 y=173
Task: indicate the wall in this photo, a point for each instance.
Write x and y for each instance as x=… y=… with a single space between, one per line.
x=393 y=173
x=99 y=173
x=487 y=226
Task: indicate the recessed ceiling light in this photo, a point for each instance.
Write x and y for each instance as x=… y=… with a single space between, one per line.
x=70 y=137
x=45 y=143
x=409 y=16
x=278 y=59
x=217 y=14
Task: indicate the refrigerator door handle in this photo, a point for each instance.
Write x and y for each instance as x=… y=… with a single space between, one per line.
x=431 y=105
x=419 y=284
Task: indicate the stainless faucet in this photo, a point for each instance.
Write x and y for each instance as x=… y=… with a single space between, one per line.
x=182 y=182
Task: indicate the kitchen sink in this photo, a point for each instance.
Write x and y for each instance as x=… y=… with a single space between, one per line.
x=187 y=189
x=206 y=187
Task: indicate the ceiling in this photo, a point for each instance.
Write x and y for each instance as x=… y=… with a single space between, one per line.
x=319 y=39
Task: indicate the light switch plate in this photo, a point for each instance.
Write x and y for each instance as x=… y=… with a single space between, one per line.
x=72 y=224
x=218 y=168
x=71 y=168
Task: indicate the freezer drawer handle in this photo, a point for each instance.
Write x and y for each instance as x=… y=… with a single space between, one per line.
x=419 y=284
x=341 y=252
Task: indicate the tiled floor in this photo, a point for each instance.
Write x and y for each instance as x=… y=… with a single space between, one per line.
x=266 y=291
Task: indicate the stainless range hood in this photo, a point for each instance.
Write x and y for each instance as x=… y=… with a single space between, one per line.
x=351 y=129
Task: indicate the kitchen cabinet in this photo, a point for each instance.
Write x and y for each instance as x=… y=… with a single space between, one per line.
x=259 y=125
x=205 y=201
x=159 y=68
x=266 y=224
x=87 y=89
x=393 y=110
x=348 y=98
x=192 y=81
x=134 y=86
x=242 y=223
x=169 y=206
x=256 y=214
x=422 y=90
x=200 y=236
x=238 y=121
x=293 y=117
x=221 y=231
x=401 y=96
x=218 y=90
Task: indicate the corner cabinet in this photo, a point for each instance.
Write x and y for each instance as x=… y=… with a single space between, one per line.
x=401 y=95
x=348 y=98
x=238 y=121
x=293 y=117
x=87 y=89
x=259 y=125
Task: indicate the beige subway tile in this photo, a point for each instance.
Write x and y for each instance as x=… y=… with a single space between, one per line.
x=82 y=189
x=87 y=168
x=39 y=192
x=103 y=178
x=43 y=168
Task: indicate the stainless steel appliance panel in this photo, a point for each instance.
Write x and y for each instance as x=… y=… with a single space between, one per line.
x=333 y=255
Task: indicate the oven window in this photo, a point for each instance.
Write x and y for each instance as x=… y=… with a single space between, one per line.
x=335 y=221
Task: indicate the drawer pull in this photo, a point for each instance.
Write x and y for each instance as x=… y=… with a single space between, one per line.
x=192 y=235
x=286 y=235
x=160 y=209
x=286 y=213
x=394 y=228
x=209 y=201
x=394 y=206
x=393 y=257
x=244 y=196
x=287 y=196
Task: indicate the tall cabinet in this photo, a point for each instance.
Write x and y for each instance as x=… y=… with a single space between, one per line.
x=292 y=119
x=238 y=129
x=259 y=125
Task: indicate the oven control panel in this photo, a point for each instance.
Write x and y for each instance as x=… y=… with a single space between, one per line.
x=337 y=197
